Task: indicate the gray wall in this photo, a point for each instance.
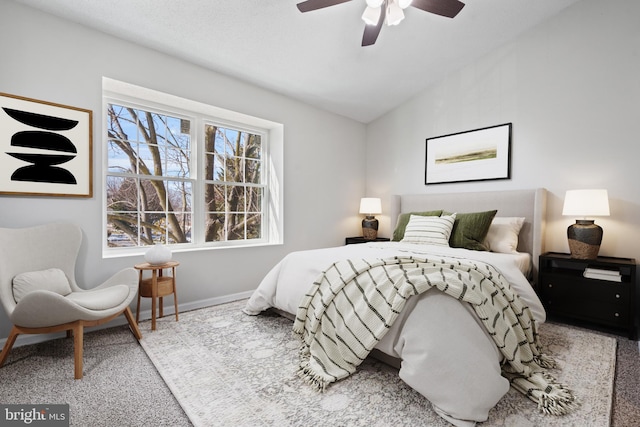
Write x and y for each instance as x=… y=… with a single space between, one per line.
x=571 y=88
x=46 y=58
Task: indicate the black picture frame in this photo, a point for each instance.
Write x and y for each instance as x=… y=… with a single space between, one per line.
x=475 y=155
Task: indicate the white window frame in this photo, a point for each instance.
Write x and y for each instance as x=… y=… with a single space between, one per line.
x=271 y=133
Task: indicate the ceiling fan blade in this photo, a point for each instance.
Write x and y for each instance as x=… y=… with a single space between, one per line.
x=371 y=32
x=309 y=5
x=446 y=8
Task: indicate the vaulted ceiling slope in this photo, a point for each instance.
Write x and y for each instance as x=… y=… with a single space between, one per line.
x=314 y=57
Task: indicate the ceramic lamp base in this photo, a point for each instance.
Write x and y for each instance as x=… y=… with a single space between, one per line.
x=584 y=239
x=369 y=228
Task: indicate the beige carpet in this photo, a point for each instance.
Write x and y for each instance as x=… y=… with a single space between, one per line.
x=229 y=369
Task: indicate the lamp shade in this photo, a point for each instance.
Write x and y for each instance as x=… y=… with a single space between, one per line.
x=370 y=206
x=586 y=203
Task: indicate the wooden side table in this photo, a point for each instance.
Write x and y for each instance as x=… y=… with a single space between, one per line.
x=157 y=286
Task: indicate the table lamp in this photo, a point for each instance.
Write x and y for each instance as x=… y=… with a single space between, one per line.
x=370 y=206
x=585 y=236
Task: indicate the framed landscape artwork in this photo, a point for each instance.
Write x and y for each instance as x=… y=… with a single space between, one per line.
x=474 y=155
x=45 y=148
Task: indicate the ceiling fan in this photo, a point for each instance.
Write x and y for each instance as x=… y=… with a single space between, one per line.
x=391 y=11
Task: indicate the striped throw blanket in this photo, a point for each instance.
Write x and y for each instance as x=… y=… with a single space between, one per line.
x=354 y=302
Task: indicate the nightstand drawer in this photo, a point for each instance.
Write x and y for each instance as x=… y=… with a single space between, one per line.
x=591 y=300
x=557 y=286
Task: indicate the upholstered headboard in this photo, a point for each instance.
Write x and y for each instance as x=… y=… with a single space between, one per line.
x=530 y=204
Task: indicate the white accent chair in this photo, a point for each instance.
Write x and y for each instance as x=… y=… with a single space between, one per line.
x=39 y=293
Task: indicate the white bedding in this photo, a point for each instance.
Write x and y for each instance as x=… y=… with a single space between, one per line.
x=446 y=353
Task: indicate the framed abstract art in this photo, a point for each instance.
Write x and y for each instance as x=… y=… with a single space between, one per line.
x=45 y=148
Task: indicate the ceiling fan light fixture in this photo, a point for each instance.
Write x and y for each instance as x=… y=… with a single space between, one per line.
x=395 y=14
x=371 y=15
x=389 y=12
x=374 y=3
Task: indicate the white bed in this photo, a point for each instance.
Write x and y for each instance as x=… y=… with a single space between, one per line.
x=445 y=352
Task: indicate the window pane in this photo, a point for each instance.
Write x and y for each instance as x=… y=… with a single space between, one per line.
x=218 y=168
x=180 y=195
x=220 y=141
x=122 y=229
x=151 y=195
x=184 y=219
x=214 y=198
x=234 y=169
x=252 y=171
x=235 y=227
x=177 y=163
x=120 y=123
x=214 y=227
x=153 y=227
x=118 y=160
x=254 y=199
x=146 y=162
x=254 y=226
x=235 y=198
x=254 y=147
x=209 y=138
x=214 y=167
x=121 y=194
x=158 y=132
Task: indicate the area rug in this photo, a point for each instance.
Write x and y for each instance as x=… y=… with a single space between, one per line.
x=226 y=368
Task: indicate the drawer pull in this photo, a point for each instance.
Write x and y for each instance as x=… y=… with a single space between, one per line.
x=617 y=315
x=550 y=285
x=617 y=295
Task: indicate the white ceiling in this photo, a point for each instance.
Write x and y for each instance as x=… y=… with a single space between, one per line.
x=314 y=57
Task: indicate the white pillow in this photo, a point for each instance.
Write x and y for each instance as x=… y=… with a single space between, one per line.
x=430 y=230
x=53 y=280
x=503 y=234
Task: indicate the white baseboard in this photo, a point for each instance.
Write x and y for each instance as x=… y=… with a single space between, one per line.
x=26 y=339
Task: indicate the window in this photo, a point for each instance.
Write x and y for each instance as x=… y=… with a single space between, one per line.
x=182 y=173
x=233 y=184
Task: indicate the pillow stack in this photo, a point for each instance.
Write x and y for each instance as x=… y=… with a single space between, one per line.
x=478 y=231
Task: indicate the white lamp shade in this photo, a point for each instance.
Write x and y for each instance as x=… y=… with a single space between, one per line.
x=370 y=206
x=586 y=203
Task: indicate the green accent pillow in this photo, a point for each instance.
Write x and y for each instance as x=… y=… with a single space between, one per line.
x=403 y=220
x=470 y=230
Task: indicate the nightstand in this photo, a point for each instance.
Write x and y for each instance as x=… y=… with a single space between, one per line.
x=360 y=239
x=605 y=298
